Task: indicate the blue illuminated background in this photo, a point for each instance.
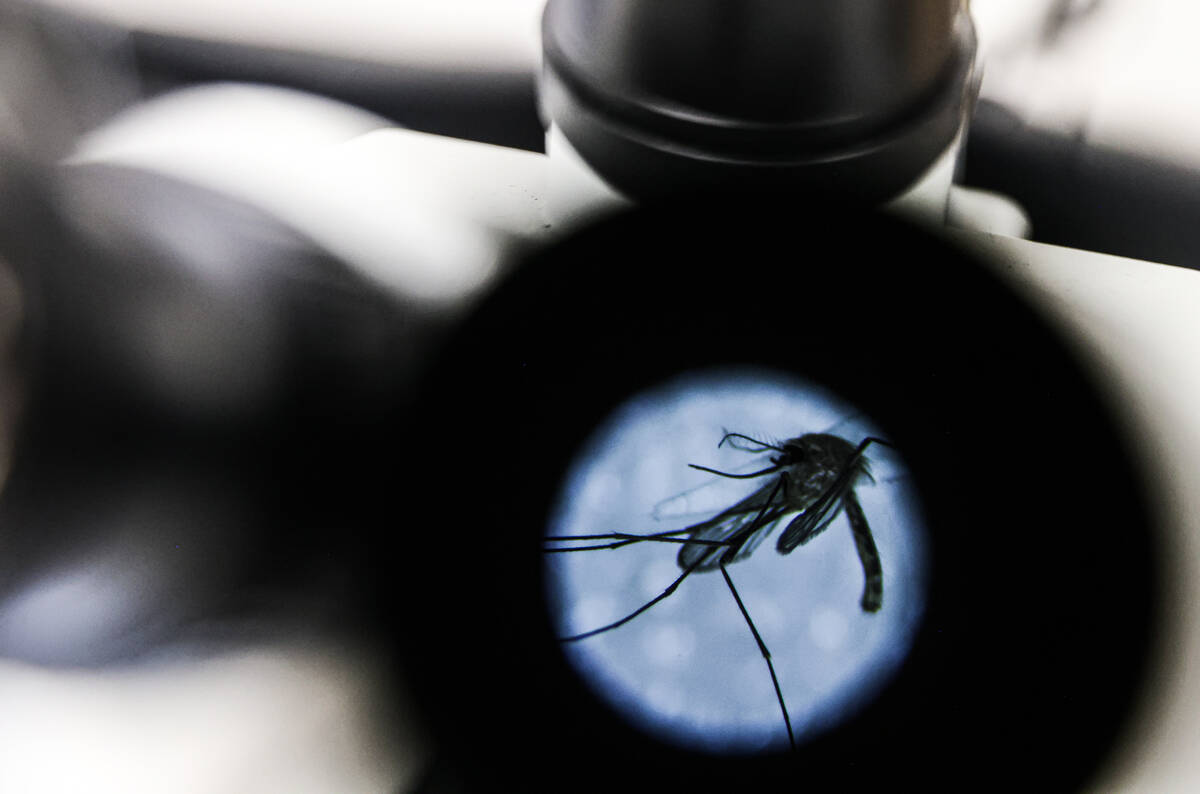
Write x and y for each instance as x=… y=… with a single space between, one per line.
x=688 y=670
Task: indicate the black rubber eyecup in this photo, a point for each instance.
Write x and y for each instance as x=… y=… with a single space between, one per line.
x=1040 y=605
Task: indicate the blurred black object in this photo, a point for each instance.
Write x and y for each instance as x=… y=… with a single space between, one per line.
x=826 y=97
x=206 y=392
x=1033 y=648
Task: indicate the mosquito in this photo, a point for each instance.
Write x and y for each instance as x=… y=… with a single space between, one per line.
x=812 y=476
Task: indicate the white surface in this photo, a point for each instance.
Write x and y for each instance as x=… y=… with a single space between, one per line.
x=985 y=211
x=381 y=208
x=575 y=192
x=1124 y=74
x=292 y=719
x=927 y=199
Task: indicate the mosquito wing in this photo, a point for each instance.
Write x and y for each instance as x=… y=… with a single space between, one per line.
x=756 y=514
x=709 y=497
x=816 y=518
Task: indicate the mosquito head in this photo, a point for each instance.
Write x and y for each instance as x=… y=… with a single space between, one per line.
x=793 y=452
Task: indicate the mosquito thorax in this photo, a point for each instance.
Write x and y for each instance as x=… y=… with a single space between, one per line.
x=820 y=448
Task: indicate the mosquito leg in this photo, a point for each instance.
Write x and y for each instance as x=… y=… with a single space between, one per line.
x=766 y=654
x=622 y=539
x=664 y=594
x=868 y=555
x=608 y=535
x=738 y=540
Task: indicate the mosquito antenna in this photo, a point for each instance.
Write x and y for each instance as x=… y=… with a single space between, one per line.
x=671 y=507
x=766 y=654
